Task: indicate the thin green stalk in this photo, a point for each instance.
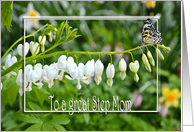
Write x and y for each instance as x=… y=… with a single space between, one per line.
x=19 y=126
x=131 y=56
x=19 y=64
x=20 y=39
x=110 y=59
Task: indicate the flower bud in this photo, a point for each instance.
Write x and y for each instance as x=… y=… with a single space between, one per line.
x=151 y=58
x=165 y=49
x=98 y=69
x=160 y=54
x=146 y=62
x=50 y=37
x=122 y=68
x=110 y=72
x=55 y=31
x=136 y=77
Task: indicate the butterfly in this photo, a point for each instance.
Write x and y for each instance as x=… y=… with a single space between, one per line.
x=149 y=34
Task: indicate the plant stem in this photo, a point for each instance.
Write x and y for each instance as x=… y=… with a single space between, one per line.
x=19 y=64
x=20 y=39
x=19 y=126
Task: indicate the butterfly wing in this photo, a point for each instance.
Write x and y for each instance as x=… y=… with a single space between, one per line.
x=149 y=34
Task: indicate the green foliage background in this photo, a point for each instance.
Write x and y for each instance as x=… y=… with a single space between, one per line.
x=94 y=36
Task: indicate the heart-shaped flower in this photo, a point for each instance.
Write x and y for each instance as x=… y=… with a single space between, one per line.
x=134 y=67
x=98 y=69
x=33 y=47
x=20 y=49
x=9 y=61
x=110 y=72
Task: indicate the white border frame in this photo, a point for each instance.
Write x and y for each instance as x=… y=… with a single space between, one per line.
x=93 y=18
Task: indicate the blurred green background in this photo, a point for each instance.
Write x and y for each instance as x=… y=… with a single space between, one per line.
x=100 y=35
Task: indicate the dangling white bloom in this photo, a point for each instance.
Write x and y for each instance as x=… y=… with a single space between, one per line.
x=1 y=85
x=134 y=67
x=70 y=61
x=42 y=42
x=31 y=13
x=98 y=69
x=9 y=62
x=62 y=65
x=33 y=47
x=33 y=75
x=20 y=49
x=51 y=73
x=20 y=82
x=110 y=72
x=122 y=68
x=89 y=70
x=76 y=73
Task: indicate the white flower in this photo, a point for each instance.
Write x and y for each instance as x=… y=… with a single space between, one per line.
x=76 y=73
x=134 y=67
x=31 y=13
x=122 y=68
x=43 y=40
x=33 y=47
x=146 y=62
x=98 y=69
x=110 y=72
x=9 y=62
x=20 y=49
x=89 y=70
x=51 y=72
x=33 y=75
x=62 y=65
x=70 y=61
x=20 y=82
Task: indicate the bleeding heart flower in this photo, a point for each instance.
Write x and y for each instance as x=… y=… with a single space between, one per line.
x=110 y=72
x=9 y=62
x=98 y=69
x=33 y=47
x=20 y=49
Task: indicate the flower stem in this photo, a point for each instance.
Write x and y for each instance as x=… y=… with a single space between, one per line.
x=131 y=56
x=19 y=126
x=20 y=39
x=19 y=64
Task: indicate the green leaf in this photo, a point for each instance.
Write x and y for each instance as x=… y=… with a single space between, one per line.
x=28 y=117
x=86 y=117
x=49 y=29
x=40 y=127
x=34 y=106
x=41 y=96
x=60 y=31
x=35 y=127
x=9 y=82
x=60 y=119
x=6 y=13
x=9 y=92
x=59 y=127
x=47 y=127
